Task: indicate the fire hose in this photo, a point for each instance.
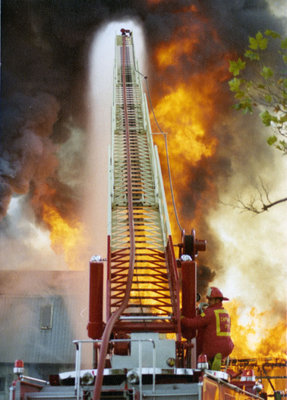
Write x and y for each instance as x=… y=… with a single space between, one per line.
x=115 y=316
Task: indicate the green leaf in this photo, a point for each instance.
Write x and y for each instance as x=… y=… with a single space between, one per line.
x=251 y=55
x=271 y=140
x=247 y=109
x=246 y=106
x=262 y=42
x=239 y=94
x=268 y=98
x=272 y=34
x=282 y=146
x=236 y=66
x=266 y=118
x=284 y=59
x=258 y=42
x=253 y=43
x=267 y=72
x=234 y=84
x=284 y=44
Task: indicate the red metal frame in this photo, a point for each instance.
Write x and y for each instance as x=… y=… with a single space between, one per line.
x=108 y=287
x=174 y=284
x=189 y=292
x=150 y=270
x=95 y=324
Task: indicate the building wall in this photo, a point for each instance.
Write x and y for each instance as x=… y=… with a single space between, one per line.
x=39 y=325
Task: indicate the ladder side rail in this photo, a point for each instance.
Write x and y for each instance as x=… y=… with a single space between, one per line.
x=173 y=274
x=110 y=194
x=160 y=198
x=159 y=187
x=113 y=127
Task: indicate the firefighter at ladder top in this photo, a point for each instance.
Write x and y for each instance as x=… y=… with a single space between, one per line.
x=213 y=325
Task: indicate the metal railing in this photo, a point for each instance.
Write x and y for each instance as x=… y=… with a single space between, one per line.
x=139 y=370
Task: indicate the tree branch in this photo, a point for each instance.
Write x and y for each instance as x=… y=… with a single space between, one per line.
x=259 y=203
x=271 y=204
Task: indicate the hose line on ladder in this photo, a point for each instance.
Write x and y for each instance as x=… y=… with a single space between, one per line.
x=115 y=316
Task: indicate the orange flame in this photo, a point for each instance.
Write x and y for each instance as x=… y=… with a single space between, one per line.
x=184 y=118
x=260 y=344
x=186 y=113
x=65 y=238
x=254 y=335
x=169 y=54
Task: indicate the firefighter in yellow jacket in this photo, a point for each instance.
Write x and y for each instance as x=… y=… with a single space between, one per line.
x=213 y=326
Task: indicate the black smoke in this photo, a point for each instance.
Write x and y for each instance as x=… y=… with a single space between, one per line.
x=45 y=46
x=204 y=276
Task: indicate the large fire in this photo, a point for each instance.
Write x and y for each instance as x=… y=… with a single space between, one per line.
x=66 y=238
x=186 y=113
x=183 y=114
x=254 y=334
x=259 y=345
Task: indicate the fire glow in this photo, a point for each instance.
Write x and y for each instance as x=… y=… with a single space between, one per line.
x=187 y=112
x=65 y=238
x=252 y=334
x=181 y=115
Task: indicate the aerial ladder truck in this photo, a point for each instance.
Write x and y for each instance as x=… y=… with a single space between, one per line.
x=139 y=352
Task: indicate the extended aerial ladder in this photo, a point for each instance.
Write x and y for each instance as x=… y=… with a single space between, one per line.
x=140 y=252
x=142 y=277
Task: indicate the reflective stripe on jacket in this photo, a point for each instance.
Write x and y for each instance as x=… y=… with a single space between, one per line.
x=213 y=330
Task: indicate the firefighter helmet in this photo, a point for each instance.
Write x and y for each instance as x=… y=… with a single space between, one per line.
x=215 y=293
